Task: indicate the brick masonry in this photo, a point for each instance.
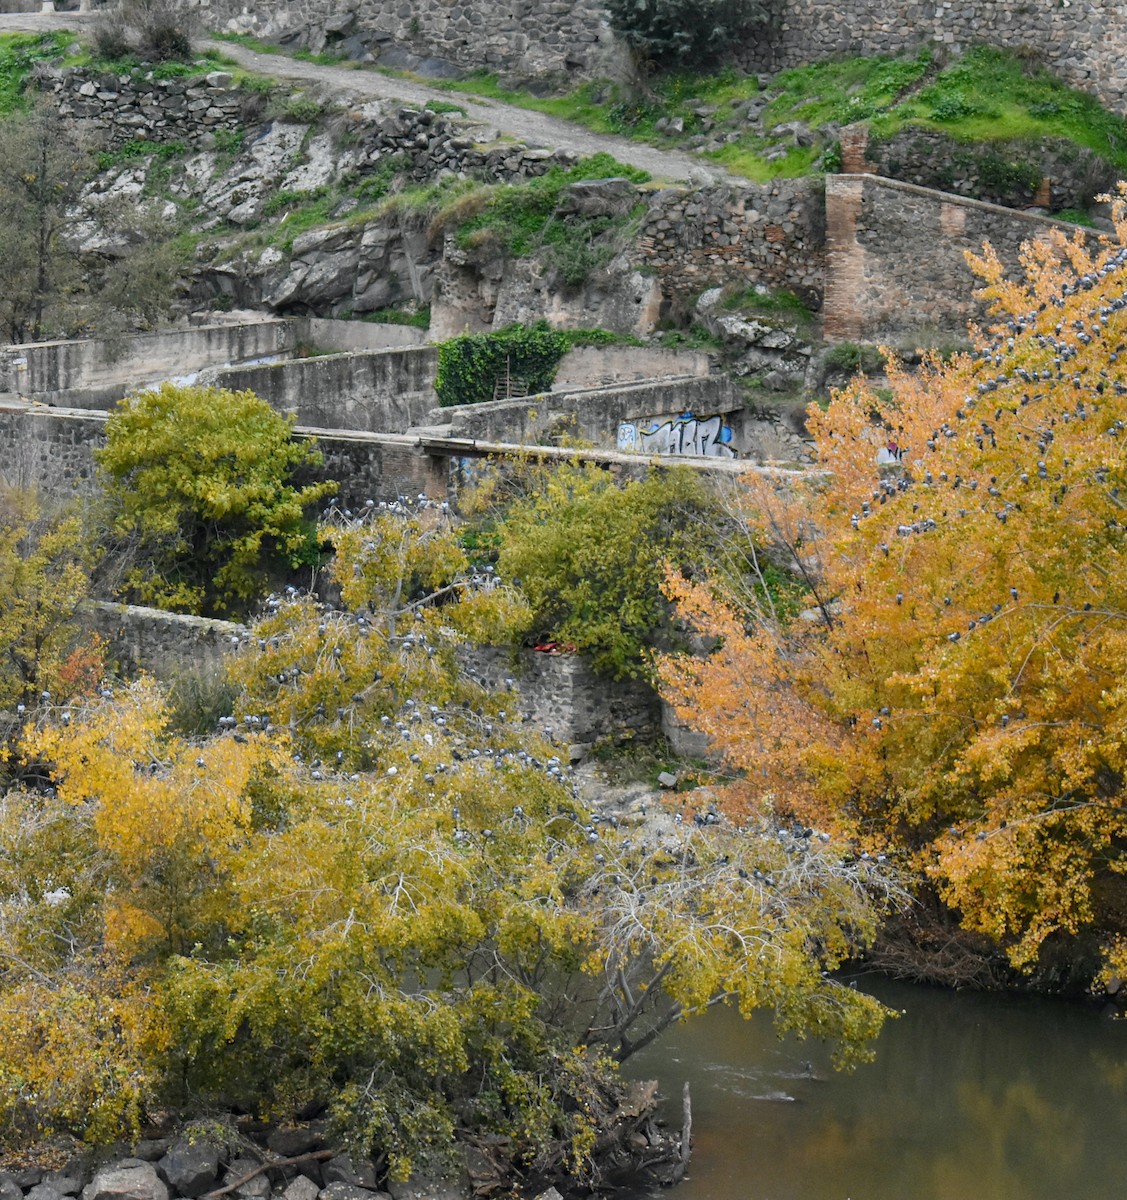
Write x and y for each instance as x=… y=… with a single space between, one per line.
x=896 y=256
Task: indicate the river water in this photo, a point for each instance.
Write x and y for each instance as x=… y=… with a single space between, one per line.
x=972 y=1096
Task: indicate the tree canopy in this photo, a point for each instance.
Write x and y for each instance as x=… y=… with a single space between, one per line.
x=202 y=480
x=953 y=692
x=588 y=549
x=372 y=887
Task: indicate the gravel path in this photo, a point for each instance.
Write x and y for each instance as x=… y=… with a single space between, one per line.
x=526 y=126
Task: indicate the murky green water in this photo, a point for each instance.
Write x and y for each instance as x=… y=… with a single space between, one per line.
x=971 y=1097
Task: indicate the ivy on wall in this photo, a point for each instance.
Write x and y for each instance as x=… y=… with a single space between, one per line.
x=469 y=367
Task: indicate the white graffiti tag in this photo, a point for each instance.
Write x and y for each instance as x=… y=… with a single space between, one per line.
x=707 y=436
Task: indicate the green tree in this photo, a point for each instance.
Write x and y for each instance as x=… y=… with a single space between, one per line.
x=589 y=551
x=49 y=287
x=202 y=478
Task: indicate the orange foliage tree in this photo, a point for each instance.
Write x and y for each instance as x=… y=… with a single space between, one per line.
x=954 y=690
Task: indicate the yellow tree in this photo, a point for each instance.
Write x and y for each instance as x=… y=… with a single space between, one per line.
x=955 y=688
x=396 y=904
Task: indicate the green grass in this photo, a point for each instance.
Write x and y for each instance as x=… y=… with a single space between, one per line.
x=522 y=219
x=19 y=53
x=137 y=149
x=250 y=43
x=419 y=319
x=987 y=95
x=782 y=307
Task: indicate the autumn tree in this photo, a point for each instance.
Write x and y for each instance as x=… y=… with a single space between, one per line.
x=953 y=690
x=44 y=577
x=372 y=887
x=202 y=480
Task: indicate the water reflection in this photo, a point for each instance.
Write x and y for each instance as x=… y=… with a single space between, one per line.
x=985 y=1096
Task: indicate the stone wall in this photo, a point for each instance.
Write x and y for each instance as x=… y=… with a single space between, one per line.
x=1080 y=41
x=524 y=36
x=604 y=366
x=592 y=416
x=44 y=449
x=769 y=234
x=53 y=450
x=564 y=698
x=96 y=373
x=162 y=643
x=380 y=467
x=381 y=391
x=123 y=108
x=115 y=109
x=560 y=694
x=896 y=256
x=326 y=335
x=1051 y=172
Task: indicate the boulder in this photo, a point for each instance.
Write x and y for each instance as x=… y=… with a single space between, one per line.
x=301 y=1188
x=46 y=1191
x=129 y=1179
x=422 y=1188
x=257 y=1188
x=9 y=1189
x=341 y=1170
x=599 y=197
x=291 y=1140
x=191 y=1168
x=348 y=1191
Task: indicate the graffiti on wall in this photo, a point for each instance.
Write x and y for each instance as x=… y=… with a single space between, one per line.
x=709 y=437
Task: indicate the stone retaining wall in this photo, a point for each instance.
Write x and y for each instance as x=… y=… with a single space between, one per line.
x=896 y=256
x=116 y=109
x=162 y=643
x=123 y=108
x=770 y=234
x=592 y=416
x=1050 y=172
x=1081 y=42
x=560 y=694
x=96 y=373
x=382 y=391
x=53 y=450
x=566 y=699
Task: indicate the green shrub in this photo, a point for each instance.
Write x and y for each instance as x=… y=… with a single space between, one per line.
x=854 y=357
x=470 y=366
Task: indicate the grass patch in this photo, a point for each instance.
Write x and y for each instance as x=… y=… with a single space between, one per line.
x=782 y=307
x=137 y=149
x=522 y=219
x=1075 y=217
x=250 y=43
x=419 y=319
x=696 y=337
x=855 y=357
x=19 y=54
x=987 y=95
x=599 y=337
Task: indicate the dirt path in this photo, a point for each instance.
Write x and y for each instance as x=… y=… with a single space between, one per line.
x=520 y=123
